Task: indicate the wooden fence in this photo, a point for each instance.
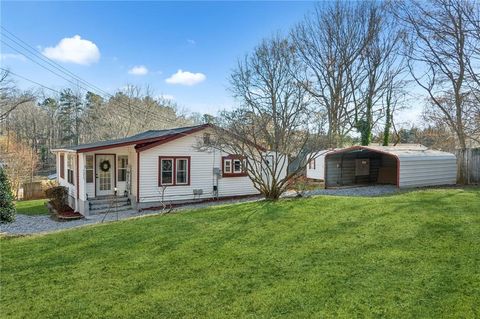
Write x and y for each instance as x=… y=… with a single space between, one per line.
x=471 y=157
x=35 y=190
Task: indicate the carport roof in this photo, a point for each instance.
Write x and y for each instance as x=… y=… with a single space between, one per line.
x=400 y=150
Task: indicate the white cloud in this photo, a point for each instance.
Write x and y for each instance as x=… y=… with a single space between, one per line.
x=12 y=56
x=73 y=50
x=186 y=78
x=191 y=41
x=138 y=70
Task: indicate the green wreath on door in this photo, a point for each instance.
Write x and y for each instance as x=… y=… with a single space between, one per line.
x=105 y=165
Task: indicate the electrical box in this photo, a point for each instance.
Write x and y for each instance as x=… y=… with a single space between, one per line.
x=217 y=171
x=362 y=166
x=197 y=191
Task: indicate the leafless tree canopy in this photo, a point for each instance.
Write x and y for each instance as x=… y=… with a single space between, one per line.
x=442 y=54
x=351 y=54
x=274 y=114
x=330 y=42
x=46 y=121
x=10 y=98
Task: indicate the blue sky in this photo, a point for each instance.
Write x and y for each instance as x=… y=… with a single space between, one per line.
x=164 y=37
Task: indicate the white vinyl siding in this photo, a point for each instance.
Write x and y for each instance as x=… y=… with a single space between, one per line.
x=71 y=189
x=317 y=171
x=202 y=176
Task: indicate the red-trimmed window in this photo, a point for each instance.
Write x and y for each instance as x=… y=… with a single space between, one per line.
x=233 y=166
x=89 y=168
x=122 y=167
x=70 y=177
x=173 y=171
x=312 y=164
x=62 y=165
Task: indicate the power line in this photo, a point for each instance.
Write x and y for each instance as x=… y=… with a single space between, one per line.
x=66 y=72
x=29 y=80
x=44 y=86
x=33 y=52
x=36 y=54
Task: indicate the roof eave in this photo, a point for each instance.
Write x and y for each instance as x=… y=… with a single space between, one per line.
x=65 y=150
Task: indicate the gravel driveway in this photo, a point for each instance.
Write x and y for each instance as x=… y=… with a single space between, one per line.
x=43 y=224
x=25 y=224
x=367 y=191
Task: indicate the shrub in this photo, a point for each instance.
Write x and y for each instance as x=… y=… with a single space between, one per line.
x=7 y=207
x=299 y=184
x=58 y=197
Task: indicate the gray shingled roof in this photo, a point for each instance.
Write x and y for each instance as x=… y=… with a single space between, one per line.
x=152 y=134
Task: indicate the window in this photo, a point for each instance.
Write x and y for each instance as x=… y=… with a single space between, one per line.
x=237 y=166
x=62 y=165
x=227 y=166
x=174 y=171
x=268 y=160
x=70 y=169
x=181 y=171
x=206 y=138
x=89 y=168
x=311 y=164
x=122 y=167
x=166 y=172
x=233 y=166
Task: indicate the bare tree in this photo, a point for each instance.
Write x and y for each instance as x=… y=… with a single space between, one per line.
x=272 y=125
x=20 y=161
x=383 y=67
x=10 y=99
x=330 y=42
x=438 y=56
x=472 y=16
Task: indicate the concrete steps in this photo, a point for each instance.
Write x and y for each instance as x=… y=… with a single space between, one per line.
x=103 y=204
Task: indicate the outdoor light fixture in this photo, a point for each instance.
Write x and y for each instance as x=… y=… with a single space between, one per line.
x=115 y=191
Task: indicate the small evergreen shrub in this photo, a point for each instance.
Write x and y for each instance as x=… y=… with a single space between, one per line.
x=7 y=207
x=58 y=197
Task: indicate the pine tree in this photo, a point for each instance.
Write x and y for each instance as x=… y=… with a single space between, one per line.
x=7 y=207
x=71 y=110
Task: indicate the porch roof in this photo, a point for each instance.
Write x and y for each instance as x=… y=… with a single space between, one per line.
x=141 y=138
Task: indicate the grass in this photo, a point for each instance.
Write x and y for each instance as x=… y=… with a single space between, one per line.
x=413 y=255
x=32 y=207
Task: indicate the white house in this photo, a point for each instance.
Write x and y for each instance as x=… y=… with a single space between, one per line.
x=316 y=166
x=150 y=168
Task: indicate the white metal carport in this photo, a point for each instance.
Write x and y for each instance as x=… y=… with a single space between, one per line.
x=404 y=165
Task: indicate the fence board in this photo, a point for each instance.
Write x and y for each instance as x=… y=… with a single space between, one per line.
x=471 y=157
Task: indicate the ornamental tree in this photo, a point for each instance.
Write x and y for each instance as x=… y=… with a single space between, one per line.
x=7 y=207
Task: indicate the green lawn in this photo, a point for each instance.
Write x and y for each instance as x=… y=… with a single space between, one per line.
x=32 y=207
x=413 y=255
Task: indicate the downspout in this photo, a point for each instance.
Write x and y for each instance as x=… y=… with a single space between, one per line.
x=78 y=180
x=138 y=176
x=78 y=185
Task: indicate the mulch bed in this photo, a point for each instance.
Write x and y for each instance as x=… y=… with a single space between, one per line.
x=69 y=215
x=65 y=215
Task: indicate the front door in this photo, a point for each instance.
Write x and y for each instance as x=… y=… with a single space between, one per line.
x=105 y=174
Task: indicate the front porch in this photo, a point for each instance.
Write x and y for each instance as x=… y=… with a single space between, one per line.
x=99 y=181
x=106 y=181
